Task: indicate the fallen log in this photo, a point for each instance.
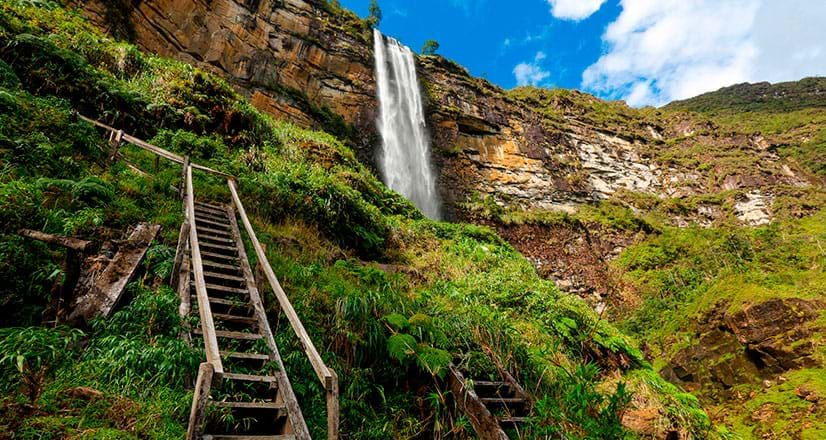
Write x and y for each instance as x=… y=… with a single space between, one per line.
x=67 y=242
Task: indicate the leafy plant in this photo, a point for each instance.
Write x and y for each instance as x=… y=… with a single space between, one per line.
x=31 y=355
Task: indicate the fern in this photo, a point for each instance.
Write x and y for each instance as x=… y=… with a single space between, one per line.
x=397 y=321
x=401 y=347
x=433 y=360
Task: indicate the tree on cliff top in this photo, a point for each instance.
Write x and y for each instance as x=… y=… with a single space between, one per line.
x=375 y=14
x=430 y=47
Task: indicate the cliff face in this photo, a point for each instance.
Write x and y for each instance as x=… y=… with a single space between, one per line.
x=311 y=63
x=292 y=58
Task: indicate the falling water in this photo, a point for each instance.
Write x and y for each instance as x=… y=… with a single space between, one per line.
x=405 y=154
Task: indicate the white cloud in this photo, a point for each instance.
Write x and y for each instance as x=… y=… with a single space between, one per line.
x=531 y=73
x=574 y=9
x=661 y=50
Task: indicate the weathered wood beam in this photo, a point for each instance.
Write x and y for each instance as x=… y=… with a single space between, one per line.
x=60 y=240
x=111 y=283
x=207 y=324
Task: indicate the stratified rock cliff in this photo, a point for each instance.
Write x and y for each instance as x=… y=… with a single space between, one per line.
x=294 y=59
x=312 y=63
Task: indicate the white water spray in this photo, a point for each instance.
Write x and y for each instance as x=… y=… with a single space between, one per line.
x=405 y=154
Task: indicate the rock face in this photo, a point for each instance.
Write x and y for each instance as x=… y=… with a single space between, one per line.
x=292 y=58
x=312 y=63
x=759 y=341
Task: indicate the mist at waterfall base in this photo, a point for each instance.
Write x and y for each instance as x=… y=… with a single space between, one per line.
x=405 y=150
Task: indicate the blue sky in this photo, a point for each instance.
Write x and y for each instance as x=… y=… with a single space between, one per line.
x=647 y=52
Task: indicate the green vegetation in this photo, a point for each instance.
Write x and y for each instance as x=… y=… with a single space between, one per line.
x=374 y=17
x=791 y=115
x=430 y=47
x=390 y=296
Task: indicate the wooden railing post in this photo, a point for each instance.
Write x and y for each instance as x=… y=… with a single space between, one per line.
x=199 y=401
x=332 y=406
x=182 y=188
x=115 y=140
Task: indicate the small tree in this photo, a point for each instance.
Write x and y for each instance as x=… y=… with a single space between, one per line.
x=430 y=47
x=375 y=14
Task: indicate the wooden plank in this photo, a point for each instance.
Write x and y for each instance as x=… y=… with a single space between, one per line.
x=248 y=356
x=224 y=277
x=250 y=377
x=60 y=240
x=483 y=422
x=248 y=405
x=234 y=318
x=111 y=283
x=216 y=265
x=297 y=425
x=207 y=325
x=199 y=401
x=232 y=335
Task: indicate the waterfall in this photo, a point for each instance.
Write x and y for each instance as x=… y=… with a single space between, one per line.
x=405 y=152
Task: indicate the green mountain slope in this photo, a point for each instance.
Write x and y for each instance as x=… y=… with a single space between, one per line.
x=362 y=267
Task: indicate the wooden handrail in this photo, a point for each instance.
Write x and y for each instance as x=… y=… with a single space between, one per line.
x=327 y=377
x=154 y=149
x=207 y=325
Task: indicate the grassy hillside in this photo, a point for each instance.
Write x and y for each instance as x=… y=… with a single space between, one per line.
x=759 y=97
x=791 y=115
x=388 y=296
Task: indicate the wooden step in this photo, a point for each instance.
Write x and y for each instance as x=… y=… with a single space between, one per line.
x=209 y=205
x=225 y=277
x=210 y=231
x=216 y=265
x=223 y=302
x=216 y=239
x=230 y=258
x=232 y=335
x=235 y=318
x=203 y=221
x=513 y=420
x=219 y=288
x=250 y=377
x=247 y=405
x=211 y=218
x=220 y=247
x=224 y=289
x=503 y=401
x=489 y=384
x=221 y=211
x=247 y=437
x=210 y=211
x=244 y=356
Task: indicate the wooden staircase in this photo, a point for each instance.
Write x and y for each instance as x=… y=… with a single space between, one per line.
x=494 y=408
x=253 y=398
